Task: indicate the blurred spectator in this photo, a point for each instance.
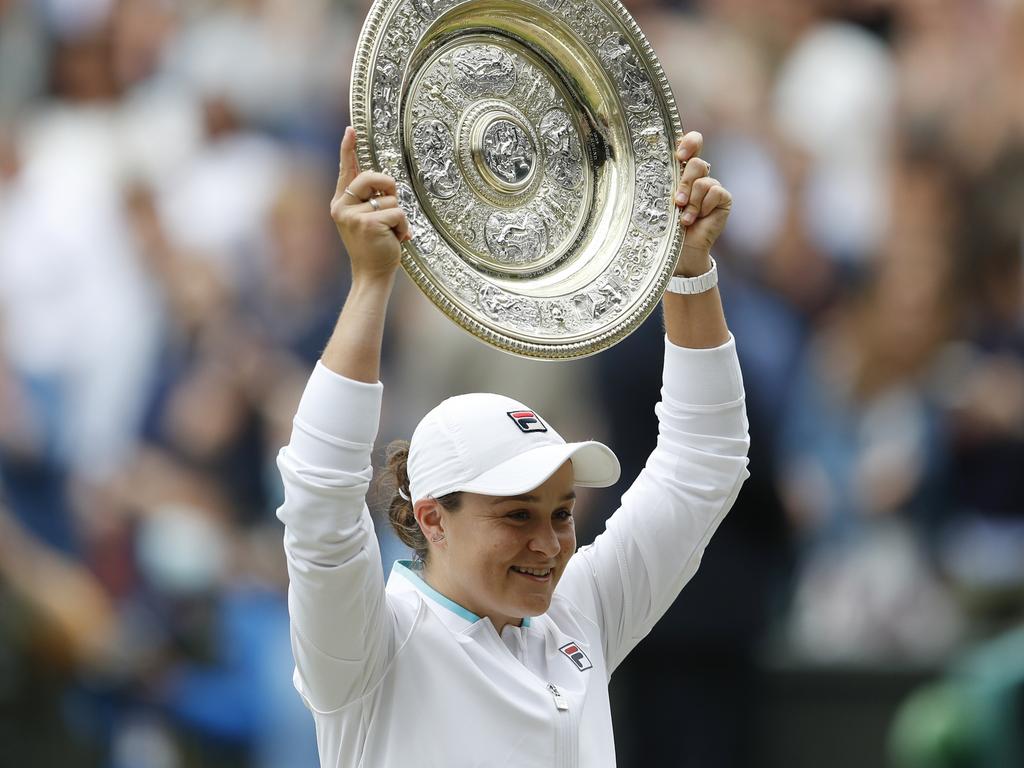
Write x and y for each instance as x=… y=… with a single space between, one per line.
x=255 y=54
x=212 y=202
x=863 y=441
x=78 y=338
x=56 y=622
x=22 y=58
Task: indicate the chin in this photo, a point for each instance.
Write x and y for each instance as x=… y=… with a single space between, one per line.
x=534 y=606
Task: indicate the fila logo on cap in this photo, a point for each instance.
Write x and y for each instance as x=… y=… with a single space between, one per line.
x=576 y=656
x=527 y=421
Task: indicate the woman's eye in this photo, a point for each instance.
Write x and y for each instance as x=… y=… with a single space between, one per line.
x=519 y=514
x=563 y=514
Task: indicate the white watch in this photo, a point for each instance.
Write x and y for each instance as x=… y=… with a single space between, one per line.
x=699 y=284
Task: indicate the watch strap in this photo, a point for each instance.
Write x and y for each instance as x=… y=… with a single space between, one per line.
x=692 y=285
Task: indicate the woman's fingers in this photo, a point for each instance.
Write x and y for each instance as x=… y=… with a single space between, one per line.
x=355 y=187
x=378 y=204
x=693 y=168
x=369 y=184
x=696 y=179
x=690 y=146
x=373 y=223
x=717 y=197
x=396 y=219
x=698 y=193
x=696 y=168
x=348 y=165
x=355 y=197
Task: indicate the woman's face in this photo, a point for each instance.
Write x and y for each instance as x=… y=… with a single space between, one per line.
x=503 y=555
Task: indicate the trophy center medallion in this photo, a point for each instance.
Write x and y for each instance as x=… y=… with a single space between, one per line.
x=504 y=152
x=508 y=152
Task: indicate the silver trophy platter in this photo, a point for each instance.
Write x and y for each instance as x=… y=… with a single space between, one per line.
x=533 y=146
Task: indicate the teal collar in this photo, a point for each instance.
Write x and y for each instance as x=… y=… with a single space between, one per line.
x=411 y=570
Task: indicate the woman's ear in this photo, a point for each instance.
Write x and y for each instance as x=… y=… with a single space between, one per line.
x=429 y=516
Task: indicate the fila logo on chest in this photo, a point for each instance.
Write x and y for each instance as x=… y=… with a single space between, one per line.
x=576 y=655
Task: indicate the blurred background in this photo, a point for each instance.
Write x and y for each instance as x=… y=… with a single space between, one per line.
x=169 y=274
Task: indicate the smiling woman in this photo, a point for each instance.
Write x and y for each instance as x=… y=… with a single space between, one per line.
x=499 y=556
x=494 y=646
x=499 y=544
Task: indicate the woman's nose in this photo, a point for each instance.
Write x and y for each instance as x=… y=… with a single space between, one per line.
x=545 y=541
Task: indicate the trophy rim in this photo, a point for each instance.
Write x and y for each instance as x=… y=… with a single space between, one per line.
x=564 y=348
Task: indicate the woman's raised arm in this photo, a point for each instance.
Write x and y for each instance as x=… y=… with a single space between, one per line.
x=373 y=227
x=342 y=633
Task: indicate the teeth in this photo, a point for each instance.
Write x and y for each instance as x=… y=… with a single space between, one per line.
x=532 y=571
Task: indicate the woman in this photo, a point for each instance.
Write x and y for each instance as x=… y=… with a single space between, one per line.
x=494 y=647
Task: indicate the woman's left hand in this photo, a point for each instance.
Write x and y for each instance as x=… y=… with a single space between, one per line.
x=705 y=204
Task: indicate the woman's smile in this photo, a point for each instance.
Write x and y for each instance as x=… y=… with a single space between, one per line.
x=534 y=574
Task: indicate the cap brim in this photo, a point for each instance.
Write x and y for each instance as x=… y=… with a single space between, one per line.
x=594 y=465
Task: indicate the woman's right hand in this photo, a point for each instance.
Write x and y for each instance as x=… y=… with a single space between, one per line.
x=372 y=231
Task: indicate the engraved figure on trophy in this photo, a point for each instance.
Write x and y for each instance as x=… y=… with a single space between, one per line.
x=484 y=69
x=465 y=223
x=559 y=211
x=641 y=252
x=435 y=151
x=497 y=303
x=442 y=97
x=634 y=85
x=429 y=9
x=540 y=91
x=556 y=316
x=604 y=297
x=587 y=20
x=515 y=238
x=402 y=35
x=423 y=235
x=508 y=151
x=651 y=214
x=562 y=148
x=651 y=140
x=385 y=96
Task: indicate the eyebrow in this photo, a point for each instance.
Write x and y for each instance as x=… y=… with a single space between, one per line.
x=530 y=498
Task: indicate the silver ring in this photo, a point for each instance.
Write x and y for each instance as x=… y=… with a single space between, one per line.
x=354 y=195
x=374 y=204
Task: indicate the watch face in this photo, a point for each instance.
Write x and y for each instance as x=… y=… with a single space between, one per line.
x=533 y=146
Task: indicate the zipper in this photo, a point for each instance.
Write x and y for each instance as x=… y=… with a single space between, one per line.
x=561 y=703
x=565 y=729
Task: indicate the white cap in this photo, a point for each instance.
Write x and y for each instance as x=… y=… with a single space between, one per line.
x=496 y=446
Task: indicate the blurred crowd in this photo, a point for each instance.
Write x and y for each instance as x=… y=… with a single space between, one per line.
x=169 y=274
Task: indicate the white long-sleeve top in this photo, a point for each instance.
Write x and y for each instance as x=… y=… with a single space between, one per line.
x=400 y=675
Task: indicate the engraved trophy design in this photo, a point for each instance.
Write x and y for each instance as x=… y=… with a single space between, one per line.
x=532 y=143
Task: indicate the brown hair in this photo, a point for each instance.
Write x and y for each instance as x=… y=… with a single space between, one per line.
x=395 y=479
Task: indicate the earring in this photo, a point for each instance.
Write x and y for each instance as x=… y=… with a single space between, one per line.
x=437 y=538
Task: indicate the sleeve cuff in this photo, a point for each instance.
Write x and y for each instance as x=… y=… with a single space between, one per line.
x=703 y=376
x=341 y=408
